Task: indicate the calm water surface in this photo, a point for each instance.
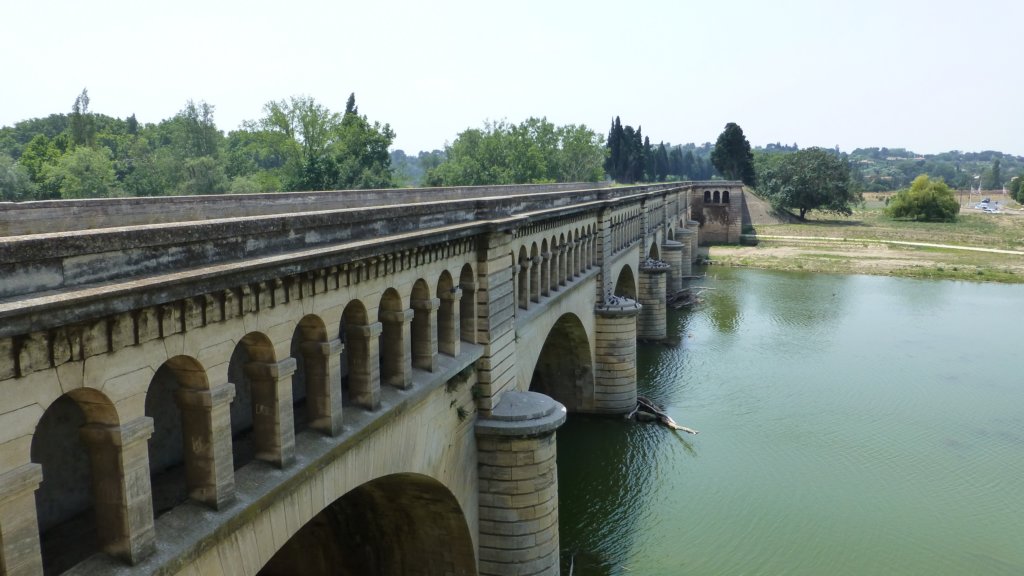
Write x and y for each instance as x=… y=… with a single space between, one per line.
x=850 y=425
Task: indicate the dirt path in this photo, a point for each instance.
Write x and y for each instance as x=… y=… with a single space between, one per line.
x=879 y=257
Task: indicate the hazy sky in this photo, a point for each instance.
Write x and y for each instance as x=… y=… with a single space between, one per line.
x=929 y=75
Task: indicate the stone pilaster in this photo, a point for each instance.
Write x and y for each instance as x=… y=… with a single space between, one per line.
x=273 y=420
x=496 y=303
x=363 y=357
x=615 y=356
x=672 y=254
x=123 y=497
x=651 y=325
x=424 y=333
x=323 y=388
x=518 y=483
x=396 y=347
x=449 y=321
x=206 y=425
x=20 y=554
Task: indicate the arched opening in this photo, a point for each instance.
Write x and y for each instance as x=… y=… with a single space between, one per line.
x=535 y=273
x=395 y=352
x=715 y=199
x=75 y=466
x=424 y=334
x=447 y=316
x=564 y=368
x=553 y=266
x=654 y=253
x=707 y=196
x=467 y=305
x=562 y=260
x=545 y=268
x=392 y=526
x=625 y=284
x=359 y=372
x=523 y=284
x=169 y=463
x=725 y=197
x=257 y=426
x=313 y=400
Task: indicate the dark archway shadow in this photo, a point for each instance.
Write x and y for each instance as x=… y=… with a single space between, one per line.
x=402 y=524
x=564 y=369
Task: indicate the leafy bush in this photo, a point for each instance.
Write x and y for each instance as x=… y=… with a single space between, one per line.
x=927 y=199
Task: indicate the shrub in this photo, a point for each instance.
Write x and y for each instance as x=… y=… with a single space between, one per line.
x=927 y=199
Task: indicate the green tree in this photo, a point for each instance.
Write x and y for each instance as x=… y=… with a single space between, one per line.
x=15 y=183
x=811 y=179
x=582 y=154
x=83 y=126
x=82 y=173
x=994 y=179
x=927 y=199
x=533 y=151
x=732 y=156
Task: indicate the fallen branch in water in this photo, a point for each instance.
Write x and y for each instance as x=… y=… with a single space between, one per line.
x=648 y=411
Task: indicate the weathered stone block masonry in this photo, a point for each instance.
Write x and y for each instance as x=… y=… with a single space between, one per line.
x=320 y=383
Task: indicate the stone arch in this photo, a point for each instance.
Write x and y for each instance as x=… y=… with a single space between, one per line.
x=394 y=525
x=545 y=268
x=625 y=284
x=564 y=368
x=553 y=267
x=654 y=253
x=534 y=273
x=707 y=196
x=424 y=331
x=577 y=250
x=467 y=305
x=725 y=196
x=395 y=349
x=261 y=413
x=175 y=473
x=523 y=283
x=316 y=388
x=448 y=329
x=360 y=372
x=562 y=260
x=716 y=197
x=77 y=503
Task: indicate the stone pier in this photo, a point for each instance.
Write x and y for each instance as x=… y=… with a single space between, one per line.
x=615 y=356
x=651 y=325
x=518 y=491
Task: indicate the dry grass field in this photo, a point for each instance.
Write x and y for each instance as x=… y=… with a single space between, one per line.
x=980 y=246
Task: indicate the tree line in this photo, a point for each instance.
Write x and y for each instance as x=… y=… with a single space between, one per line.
x=298 y=144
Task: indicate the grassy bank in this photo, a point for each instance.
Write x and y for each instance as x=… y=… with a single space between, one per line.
x=869 y=243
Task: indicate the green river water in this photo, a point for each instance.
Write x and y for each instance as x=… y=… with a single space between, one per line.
x=849 y=425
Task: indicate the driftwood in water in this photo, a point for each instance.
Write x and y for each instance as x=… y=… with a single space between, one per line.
x=686 y=297
x=648 y=411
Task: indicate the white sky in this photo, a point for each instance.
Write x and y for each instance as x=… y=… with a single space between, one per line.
x=930 y=75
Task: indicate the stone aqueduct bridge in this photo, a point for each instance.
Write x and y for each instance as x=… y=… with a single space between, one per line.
x=320 y=383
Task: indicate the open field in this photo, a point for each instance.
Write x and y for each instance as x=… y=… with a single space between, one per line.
x=978 y=247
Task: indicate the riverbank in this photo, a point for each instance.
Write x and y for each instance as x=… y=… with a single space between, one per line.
x=978 y=247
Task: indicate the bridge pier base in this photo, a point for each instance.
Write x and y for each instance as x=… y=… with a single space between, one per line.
x=20 y=554
x=615 y=356
x=687 y=240
x=672 y=254
x=693 y=226
x=651 y=325
x=121 y=488
x=519 y=485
